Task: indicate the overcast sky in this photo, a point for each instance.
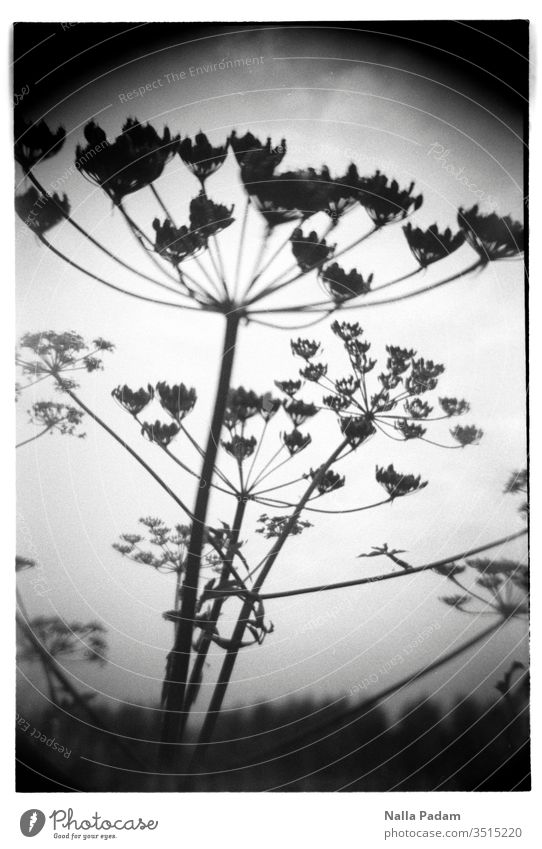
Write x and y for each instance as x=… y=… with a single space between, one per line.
x=381 y=108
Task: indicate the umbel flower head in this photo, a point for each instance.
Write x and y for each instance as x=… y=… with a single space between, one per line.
x=297 y=195
x=273 y=526
x=69 y=640
x=396 y=484
x=62 y=418
x=256 y=160
x=328 y=481
x=208 y=218
x=133 y=401
x=35 y=142
x=40 y=211
x=133 y=161
x=176 y=400
x=242 y=405
x=357 y=429
x=342 y=286
x=469 y=435
x=289 y=387
x=395 y=409
x=57 y=353
x=296 y=441
x=240 y=447
x=491 y=236
x=384 y=201
x=168 y=545
x=176 y=243
x=201 y=157
x=299 y=411
x=501 y=587
x=309 y=251
x=429 y=246
x=159 y=432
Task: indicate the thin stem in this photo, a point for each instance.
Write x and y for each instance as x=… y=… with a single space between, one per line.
x=272 y=258
x=125 y=445
x=429 y=288
x=32 y=438
x=273 y=458
x=161 y=203
x=90 y=238
x=390 y=575
x=273 y=289
x=195 y=474
x=141 y=237
x=109 y=285
x=257 y=262
x=365 y=304
x=241 y=246
x=292 y=326
x=178 y=665
x=221 y=271
x=256 y=453
x=224 y=678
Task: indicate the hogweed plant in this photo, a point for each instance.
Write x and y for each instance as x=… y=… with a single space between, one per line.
x=268 y=459
x=189 y=273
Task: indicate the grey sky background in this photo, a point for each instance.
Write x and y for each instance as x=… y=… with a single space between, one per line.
x=381 y=110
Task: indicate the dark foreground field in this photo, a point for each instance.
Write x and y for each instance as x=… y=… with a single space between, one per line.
x=298 y=747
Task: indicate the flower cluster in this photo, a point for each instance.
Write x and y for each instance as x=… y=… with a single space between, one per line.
x=384 y=201
x=58 y=353
x=133 y=161
x=208 y=218
x=243 y=404
x=137 y=157
x=176 y=243
x=35 y=142
x=469 y=435
x=69 y=640
x=309 y=251
x=133 y=401
x=501 y=585
x=327 y=481
x=273 y=526
x=176 y=400
x=256 y=160
x=491 y=236
x=397 y=485
x=342 y=286
x=40 y=211
x=62 y=418
x=395 y=409
x=162 y=547
x=160 y=433
x=429 y=246
x=201 y=157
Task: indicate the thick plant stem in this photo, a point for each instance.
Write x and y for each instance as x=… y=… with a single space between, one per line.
x=177 y=669
x=217 y=699
x=205 y=641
